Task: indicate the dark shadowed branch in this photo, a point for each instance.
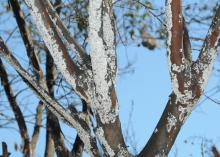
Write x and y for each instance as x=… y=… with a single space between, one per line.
x=17 y=111
x=5 y=152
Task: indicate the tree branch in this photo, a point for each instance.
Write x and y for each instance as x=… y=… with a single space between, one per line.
x=188 y=81
x=103 y=58
x=33 y=59
x=38 y=120
x=78 y=146
x=26 y=36
x=175 y=54
x=72 y=119
x=53 y=133
x=215 y=152
x=5 y=152
x=53 y=126
x=55 y=45
x=17 y=111
x=63 y=31
x=208 y=53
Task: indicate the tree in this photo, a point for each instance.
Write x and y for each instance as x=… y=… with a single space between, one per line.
x=91 y=73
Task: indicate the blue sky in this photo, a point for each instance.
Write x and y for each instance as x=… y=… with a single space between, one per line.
x=148 y=89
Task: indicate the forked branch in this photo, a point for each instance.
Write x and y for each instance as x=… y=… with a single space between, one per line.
x=188 y=78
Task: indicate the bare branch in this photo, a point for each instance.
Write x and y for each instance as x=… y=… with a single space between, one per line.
x=78 y=146
x=17 y=111
x=49 y=149
x=26 y=36
x=187 y=50
x=53 y=126
x=77 y=150
x=5 y=152
x=38 y=120
x=215 y=152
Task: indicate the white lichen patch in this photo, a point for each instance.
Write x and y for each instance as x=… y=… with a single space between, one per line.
x=178 y=68
x=171 y=122
x=161 y=154
x=169 y=25
x=180 y=18
x=123 y=152
x=104 y=142
x=101 y=41
x=207 y=69
x=184 y=97
x=184 y=112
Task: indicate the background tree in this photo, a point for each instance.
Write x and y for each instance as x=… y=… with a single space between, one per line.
x=86 y=71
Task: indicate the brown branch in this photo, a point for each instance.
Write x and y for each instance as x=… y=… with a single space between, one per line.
x=49 y=149
x=49 y=33
x=104 y=66
x=176 y=58
x=17 y=111
x=26 y=36
x=187 y=50
x=38 y=120
x=63 y=31
x=5 y=152
x=53 y=133
x=78 y=146
x=161 y=141
x=215 y=152
x=33 y=59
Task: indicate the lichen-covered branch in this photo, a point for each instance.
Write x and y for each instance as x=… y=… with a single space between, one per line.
x=103 y=58
x=54 y=137
x=58 y=50
x=188 y=79
x=72 y=119
x=208 y=53
x=83 y=58
x=176 y=58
